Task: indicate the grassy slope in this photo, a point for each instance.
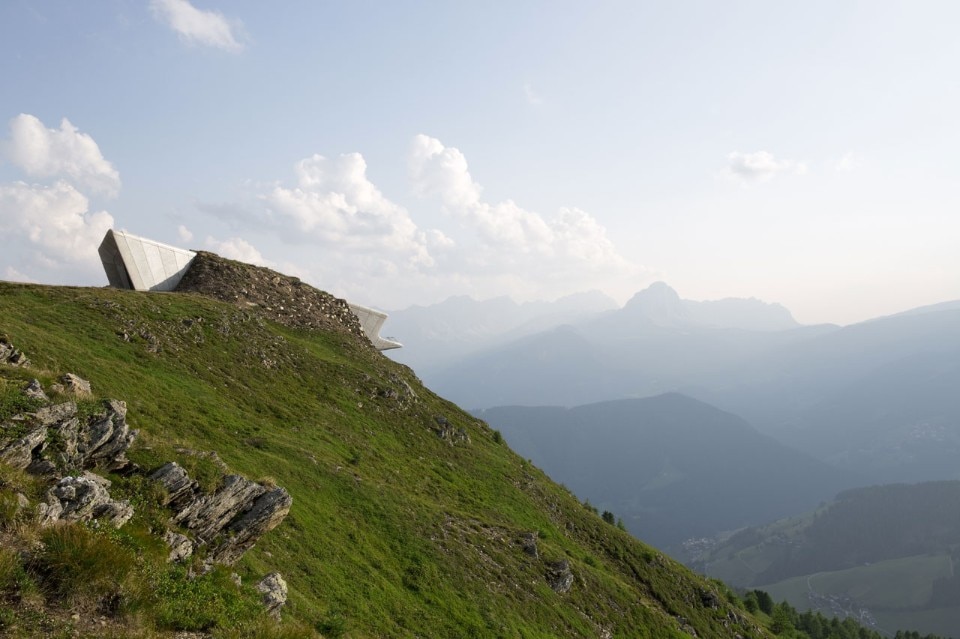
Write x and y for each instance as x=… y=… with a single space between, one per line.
x=888 y=589
x=393 y=529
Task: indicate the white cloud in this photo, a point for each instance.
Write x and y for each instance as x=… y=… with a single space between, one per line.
x=336 y=205
x=195 y=26
x=533 y=98
x=239 y=249
x=184 y=233
x=760 y=166
x=54 y=219
x=42 y=152
x=13 y=275
x=505 y=226
x=849 y=162
x=520 y=250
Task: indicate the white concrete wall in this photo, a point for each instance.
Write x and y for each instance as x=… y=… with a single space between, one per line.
x=141 y=264
x=370 y=322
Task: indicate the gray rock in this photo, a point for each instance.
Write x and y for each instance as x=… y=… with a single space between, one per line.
x=34 y=390
x=230 y=520
x=105 y=439
x=9 y=354
x=83 y=498
x=76 y=386
x=274 y=591
x=180 y=546
x=21 y=452
x=267 y=512
x=559 y=576
x=178 y=485
x=210 y=514
x=528 y=541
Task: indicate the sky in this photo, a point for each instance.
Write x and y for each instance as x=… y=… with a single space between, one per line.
x=398 y=153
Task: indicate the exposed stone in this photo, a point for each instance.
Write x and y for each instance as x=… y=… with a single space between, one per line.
x=559 y=576
x=528 y=541
x=21 y=452
x=34 y=390
x=274 y=590
x=266 y=513
x=102 y=441
x=83 y=498
x=9 y=354
x=105 y=439
x=178 y=485
x=230 y=520
x=76 y=386
x=278 y=297
x=210 y=514
x=180 y=546
x=450 y=433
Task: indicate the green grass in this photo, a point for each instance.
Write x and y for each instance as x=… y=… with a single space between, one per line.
x=393 y=531
x=887 y=585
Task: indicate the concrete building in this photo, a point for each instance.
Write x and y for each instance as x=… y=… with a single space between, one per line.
x=134 y=262
x=141 y=264
x=370 y=322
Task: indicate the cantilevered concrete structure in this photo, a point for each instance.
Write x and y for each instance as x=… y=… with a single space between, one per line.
x=137 y=263
x=370 y=322
x=141 y=264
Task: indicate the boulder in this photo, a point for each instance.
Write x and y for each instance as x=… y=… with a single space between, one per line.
x=267 y=512
x=34 y=390
x=179 y=487
x=274 y=591
x=75 y=385
x=83 y=498
x=559 y=576
x=180 y=546
x=21 y=452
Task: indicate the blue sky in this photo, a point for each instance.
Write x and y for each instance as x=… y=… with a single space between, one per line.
x=402 y=152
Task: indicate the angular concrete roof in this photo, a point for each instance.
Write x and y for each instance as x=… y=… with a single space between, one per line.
x=135 y=262
x=370 y=322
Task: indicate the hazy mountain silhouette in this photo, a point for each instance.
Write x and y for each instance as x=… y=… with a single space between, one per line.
x=434 y=336
x=671 y=466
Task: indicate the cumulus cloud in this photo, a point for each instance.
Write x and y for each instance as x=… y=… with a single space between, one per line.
x=849 y=162
x=195 y=26
x=56 y=220
x=41 y=152
x=334 y=204
x=760 y=166
x=533 y=98
x=236 y=248
x=572 y=235
x=184 y=233
x=13 y=275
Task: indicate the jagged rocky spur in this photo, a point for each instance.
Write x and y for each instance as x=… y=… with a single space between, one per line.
x=55 y=441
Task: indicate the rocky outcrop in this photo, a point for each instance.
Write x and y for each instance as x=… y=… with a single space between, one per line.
x=559 y=576
x=274 y=591
x=83 y=498
x=528 y=542
x=55 y=440
x=9 y=354
x=230 y=520
x=280 y=298
x=449 y=433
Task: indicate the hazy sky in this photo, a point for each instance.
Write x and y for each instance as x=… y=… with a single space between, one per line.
x=395 y=152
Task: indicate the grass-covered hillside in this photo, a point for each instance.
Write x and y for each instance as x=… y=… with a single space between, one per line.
x=889 y=552
x=409 y=516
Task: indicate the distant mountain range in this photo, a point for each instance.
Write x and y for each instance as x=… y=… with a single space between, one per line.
x=874 y=398
x=670 y=466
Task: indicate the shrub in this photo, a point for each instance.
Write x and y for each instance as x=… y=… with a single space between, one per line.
x=76 y=561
